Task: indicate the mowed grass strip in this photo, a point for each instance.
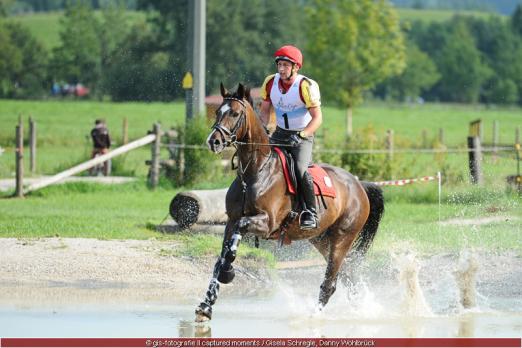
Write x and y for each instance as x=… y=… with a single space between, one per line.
x=131 y=211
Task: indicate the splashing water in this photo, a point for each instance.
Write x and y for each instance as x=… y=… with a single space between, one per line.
x=413 y=301
x=465 y=276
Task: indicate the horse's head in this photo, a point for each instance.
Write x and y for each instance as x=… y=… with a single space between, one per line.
x=231 y=119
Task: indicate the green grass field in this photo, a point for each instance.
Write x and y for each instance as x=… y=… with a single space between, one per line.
x=63 y=133
x=432 y=15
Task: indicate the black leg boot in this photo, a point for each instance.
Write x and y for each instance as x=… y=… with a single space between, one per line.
x=308 y=217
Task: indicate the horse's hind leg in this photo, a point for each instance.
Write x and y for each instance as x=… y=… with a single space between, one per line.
x=223 y=273
x=339 y=244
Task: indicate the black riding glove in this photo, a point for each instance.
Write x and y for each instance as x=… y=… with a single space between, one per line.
x=294 y=140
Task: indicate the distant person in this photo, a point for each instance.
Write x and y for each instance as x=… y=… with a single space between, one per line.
x=101 y=142
x=55 y=89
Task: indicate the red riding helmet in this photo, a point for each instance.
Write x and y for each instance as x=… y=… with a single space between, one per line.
x=289 y=53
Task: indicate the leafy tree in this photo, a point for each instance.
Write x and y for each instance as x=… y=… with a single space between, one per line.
x=516 y=20
x=113 y=31
x=419 y=75
x=138 y=71
x=241 y=37
x=353 y=45
x=78 y=58
x=460 y=63
x=22 y=62
x=429 y=37
x=500 y=91
x=501 y=49
x=170 y=30
x=4 y=6
x=10 y=60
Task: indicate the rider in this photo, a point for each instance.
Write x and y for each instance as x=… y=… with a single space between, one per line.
x=297 y=103
x=101 y=142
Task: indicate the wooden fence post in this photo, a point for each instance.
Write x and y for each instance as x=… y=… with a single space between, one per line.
x=32 y=145
x=441 y=136
x=155 y=160
x=349 y=121
x=475 y=128
x=519 y=177
x=495 y=138
x=475 y=158
x=125 y=131
x=424 y=137
x=389 y=143
x=19 y=158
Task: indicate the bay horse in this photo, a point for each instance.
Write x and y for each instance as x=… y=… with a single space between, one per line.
x=259 y=203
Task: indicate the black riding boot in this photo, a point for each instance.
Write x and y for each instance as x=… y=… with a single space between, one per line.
x=308 y=217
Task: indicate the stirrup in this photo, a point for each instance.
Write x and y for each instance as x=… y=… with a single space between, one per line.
x=310 y=224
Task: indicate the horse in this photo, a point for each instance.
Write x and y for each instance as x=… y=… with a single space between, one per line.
x=258 y=202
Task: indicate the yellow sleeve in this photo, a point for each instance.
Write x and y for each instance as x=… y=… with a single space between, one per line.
x=264 y=92
x=310 y=93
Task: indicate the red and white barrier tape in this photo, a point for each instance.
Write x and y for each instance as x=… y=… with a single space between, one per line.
x=407 y=181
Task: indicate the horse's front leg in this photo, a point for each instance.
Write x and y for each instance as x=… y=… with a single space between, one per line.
x=255 y=224
x=223 y=272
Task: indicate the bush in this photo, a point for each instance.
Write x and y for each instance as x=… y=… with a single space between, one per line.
x=368 y=166
x=199 y=163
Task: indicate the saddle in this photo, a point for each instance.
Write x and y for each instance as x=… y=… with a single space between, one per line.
x=323 y=185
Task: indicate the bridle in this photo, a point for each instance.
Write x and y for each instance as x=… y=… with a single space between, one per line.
x=229 y=135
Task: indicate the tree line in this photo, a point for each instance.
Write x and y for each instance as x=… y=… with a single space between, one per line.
x=465 y=59
x=353 y=49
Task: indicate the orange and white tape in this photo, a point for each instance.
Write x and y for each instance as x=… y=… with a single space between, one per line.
x=403 y=182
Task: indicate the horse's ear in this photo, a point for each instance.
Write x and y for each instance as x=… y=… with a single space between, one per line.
x=224 y=91
x=241 y=91
x=248 y=96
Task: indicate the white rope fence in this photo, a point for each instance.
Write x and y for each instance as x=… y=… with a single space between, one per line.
x=403 y=182
x=376 y=152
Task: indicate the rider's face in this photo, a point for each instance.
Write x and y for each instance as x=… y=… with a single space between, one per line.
x=285 y=68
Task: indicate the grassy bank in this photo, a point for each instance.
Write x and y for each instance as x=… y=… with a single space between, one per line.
x=484 y=218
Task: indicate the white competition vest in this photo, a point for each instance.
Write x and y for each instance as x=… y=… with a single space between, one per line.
x=291 y=111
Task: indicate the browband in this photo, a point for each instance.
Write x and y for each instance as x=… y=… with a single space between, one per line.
x=236 y=99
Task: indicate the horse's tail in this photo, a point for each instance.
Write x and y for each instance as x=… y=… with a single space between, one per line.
x=365 y=238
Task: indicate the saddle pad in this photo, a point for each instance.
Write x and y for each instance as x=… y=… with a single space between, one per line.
x=322 y=181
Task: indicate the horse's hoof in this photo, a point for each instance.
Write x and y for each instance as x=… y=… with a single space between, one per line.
x=201 y=318
x=203 y=312
x=226 y=276
x=317 y=312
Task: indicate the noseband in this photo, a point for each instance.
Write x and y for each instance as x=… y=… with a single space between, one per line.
x=229 y=135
